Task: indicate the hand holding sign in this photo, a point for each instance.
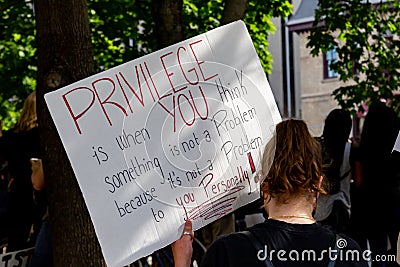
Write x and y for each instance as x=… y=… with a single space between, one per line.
x=182 y=248
x=174 y=135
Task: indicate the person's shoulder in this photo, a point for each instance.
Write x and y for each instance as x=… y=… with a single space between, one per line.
x=342 y=240
x=222 y=250
x=239 y=239
x=7 y=137
x=353 y=254
x=31 y=132
x=345 y=242
x=233 y=249
x=231 y=239
x=8 y=134
x=30 y=137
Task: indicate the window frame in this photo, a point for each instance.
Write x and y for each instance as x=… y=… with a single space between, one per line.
x=328 y=73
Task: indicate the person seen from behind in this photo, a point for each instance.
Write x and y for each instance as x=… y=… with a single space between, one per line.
x=18 y=146
x=290 y=187
x=42 y=256
x=379 y=189
x=333 y=208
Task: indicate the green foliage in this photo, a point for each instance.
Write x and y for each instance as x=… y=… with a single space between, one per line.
x=134 y=22
x=368 y=46
x=201 y=16
x=18 y=59
x=258 y=19
x=122 y=30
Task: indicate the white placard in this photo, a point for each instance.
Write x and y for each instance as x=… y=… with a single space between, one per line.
x=397 y=144
x=18 y=258
x=175 y=134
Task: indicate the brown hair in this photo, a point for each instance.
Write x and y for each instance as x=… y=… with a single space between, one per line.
x=28 y=119
x=296 y=165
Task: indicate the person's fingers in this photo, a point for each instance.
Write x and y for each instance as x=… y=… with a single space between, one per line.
x=188 y=229
x=182 y=249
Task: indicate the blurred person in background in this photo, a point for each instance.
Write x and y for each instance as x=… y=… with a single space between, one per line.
x=334 y=208
x=42 y=256
x=379 y=185
x=18 y=146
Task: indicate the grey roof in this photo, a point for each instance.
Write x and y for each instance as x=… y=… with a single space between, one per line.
x=304 y=15
x=303 y=19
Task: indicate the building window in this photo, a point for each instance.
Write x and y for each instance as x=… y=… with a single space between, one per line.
x=329 y=58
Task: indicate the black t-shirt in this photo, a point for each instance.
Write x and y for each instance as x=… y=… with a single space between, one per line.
x=286 y=245
x=17 y=148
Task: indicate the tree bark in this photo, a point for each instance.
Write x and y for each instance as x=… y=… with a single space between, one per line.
x=233 y=10
x=65 y=55
x=167 y=16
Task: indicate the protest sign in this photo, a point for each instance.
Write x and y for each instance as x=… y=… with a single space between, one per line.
x=16 y=258
x=396 y=147
x=176 y=134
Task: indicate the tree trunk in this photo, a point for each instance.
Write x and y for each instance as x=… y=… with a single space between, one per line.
x=65 y=55
x=167 y=16
x=233 y=10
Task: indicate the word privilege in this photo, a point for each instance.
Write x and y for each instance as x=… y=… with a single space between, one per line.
x=122 y=91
